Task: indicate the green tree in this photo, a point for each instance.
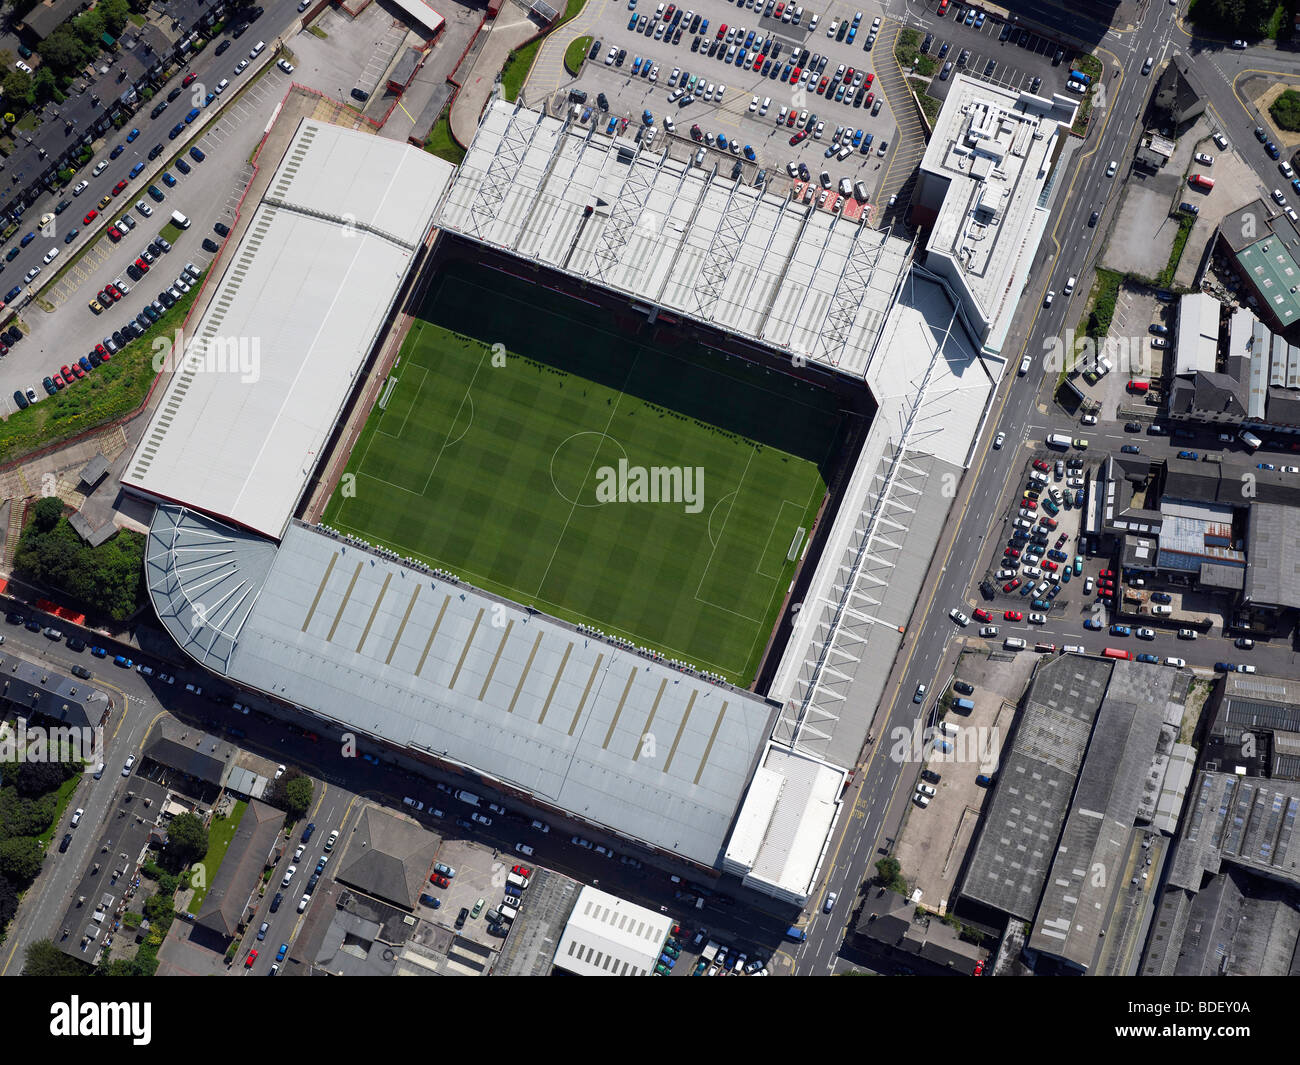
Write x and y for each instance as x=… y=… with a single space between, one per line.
x=62 y=51
x=187 y=840
x=47 y=512
x=44 y=86
x=31 y=779
x=115 y=14
x=292 y=793
x=1285 y=110
x=17 y=89
x=44 y=958
x=25 y=817
x=20 y=859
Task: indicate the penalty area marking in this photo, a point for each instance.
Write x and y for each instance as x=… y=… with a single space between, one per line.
x=775 y=525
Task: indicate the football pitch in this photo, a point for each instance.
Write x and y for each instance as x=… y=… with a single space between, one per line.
x=526 y=444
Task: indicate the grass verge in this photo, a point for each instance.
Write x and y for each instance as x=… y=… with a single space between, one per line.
x=520 y=61
x=442 y=144
x=576 y=54
x=115 y=389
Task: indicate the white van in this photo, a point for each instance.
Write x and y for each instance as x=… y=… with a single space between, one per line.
x=1069 y=284
x=180 y=220
x=947 y=728
x=467 y=796
x=1014 y=643
x=508 y=913
x=1162 y=611
x=257 y=50
x=518 y=881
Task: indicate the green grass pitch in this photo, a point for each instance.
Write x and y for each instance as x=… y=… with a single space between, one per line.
x=491 y=471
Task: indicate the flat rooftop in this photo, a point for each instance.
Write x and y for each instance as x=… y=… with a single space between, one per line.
x=250 y=406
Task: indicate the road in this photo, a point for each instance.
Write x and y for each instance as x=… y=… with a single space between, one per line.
x=1025 y=411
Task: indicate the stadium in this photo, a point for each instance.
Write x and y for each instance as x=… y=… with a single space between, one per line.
x=589 y=474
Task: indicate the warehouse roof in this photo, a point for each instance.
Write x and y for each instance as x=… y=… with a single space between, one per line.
x=390 y=649
x=675 y=237
x=303 y=299
x=609 y=936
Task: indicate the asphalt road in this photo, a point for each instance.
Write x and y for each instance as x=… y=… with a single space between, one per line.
x=1024 y=410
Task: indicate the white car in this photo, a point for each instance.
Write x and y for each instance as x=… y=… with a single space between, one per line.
x=998 y=441
x=1110 y=170
x=241 y=67
x=288 y=875
x=1145 y=634
x=1245 y=669
x=927 y=789
x=609 y=58
x=1037 y=619
x=279 y=772
x=1205 y=160
x=76 y=817
x=831 y=898
x=1087 y=586
x=285 y=65
x=959 y=617
x=482 y=819
x=126 y=769
x=303 y=903
x=1089 y=419
x=302 y=849
x=23 y=67
x=143 y=208
x=753 y=104
x=221 y=85
x=989 y=630
x=835 y=25
x=81 y=187
x=1177 y=663
x=524 y=849
x=100 y=167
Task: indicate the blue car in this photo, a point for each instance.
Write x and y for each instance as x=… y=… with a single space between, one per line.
x=1265 y=466
x=1149 y=658
x=1225 y=667
x=209 y=98
x=1131 y=449
x=1120 y=630
x=183 y=166
x=1187 y=455
x=612 y=123
x=1078 y=497
x=176 y=131
x=72 y=235
x=284 y=949
x=137 y=170
x=1066 y=574
x=647 y=117
x=84 y=363
x=786 y=71
x=123 y=662
x=99 y=652
x=722 y=140
x=853 y=32
x=636 y=64
x=275 y=902
x=132 y=135
x=27 y=239
x=117 y=151
x=306 y=832
x=167 y=179
x=749 y=153
x=631 y=23
x=196 y=154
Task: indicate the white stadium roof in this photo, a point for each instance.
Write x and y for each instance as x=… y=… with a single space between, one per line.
x=302 y=301
x=389 y=649
x=677 y=237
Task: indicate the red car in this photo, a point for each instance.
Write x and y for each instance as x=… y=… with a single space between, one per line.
x=103 y=351
x=77 y=371
x=979 y=965
x=1029 y=503
x=1011 y=552
x=722 y=31
x=848 y=75
x=791 y=120
x=114 y=234
x=871 y=99
x=795 y=75
x=821 y=85
x=943 y=7
x=58 y=380
x=1049 y=565
x=1107 y=574
x=90 y=218
x=66 y=373
x=1012 y=615
x=1061 y=539
x=801 y=135
x=142 y=265
x=1049 y=523
x=1039 y=464
x=870 y=79
x=252 y=957
x=981 y=614
x=696 y=132
x=440 y=880
x=119 y=187
x=522 y=870
x=188 y=79
x=1012 y=585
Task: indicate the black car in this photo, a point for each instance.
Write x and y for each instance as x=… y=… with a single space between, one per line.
x=155 y=151
x=602 y=101
x=963 y=687
x=622 y=55
x=171 y=96
x=133 y=272
x=13 y=336
x=33 y=625
x=1092 y=221
x=925 y=44
x=221 y=47
x=158 y=110
x=81 y=671
x=930 y=776
x=462 y=917
x=76 y=643
x=595 y=50
x=224 y=230
x=63 y=206
x=311 y=884
x=462 y=823
x=279 y=895
x=67 y=838
x=211 y=245
x=1132 y=427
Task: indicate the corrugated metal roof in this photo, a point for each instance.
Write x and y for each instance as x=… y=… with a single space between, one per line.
x=303 y=297
x=672 y=235
x=360 y=638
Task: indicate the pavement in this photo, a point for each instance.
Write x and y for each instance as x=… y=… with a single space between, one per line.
x=510 y=29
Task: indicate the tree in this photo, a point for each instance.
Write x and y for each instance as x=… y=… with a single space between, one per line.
x=47 y=512
x=36 y=778
x=115 y=14
x=187 y=840
x=292 y=793
x=25 y=817
x=20 y=859
x=62 y=51
x=18 y=89
x=44 y=86
x=44 y=958
x=107 y=578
